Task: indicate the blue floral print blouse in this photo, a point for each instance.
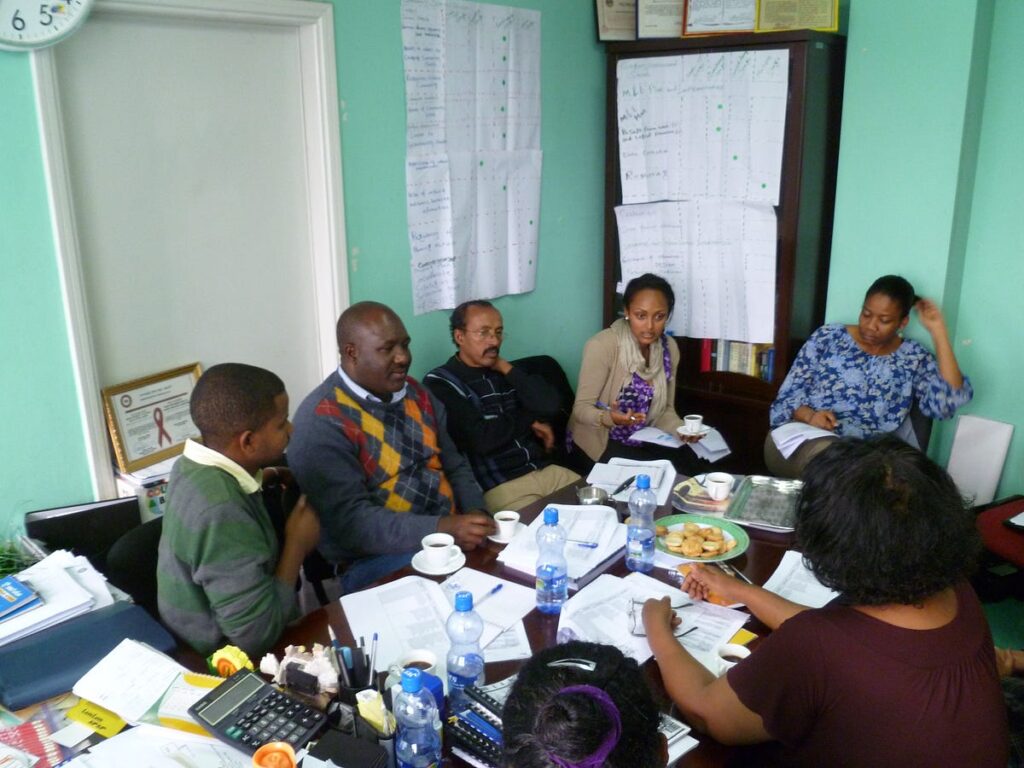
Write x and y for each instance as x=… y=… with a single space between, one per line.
x=869 y=394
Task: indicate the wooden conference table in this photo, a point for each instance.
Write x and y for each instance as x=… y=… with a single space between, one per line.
x=758 y=562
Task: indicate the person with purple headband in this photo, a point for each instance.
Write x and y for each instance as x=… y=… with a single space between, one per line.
x=628 y=381
x=582 y=705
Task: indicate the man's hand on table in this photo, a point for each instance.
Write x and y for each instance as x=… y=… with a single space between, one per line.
x=469 y=529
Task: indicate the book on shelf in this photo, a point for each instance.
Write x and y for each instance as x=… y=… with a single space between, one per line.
x=757 y=360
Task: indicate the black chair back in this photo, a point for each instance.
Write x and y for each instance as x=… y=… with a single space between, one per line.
x=131 y=564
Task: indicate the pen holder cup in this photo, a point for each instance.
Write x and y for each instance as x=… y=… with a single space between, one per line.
x=347 y=695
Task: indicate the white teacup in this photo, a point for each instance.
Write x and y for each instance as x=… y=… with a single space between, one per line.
x=421 y=658
x=438 y=549
x=507 y=521
x=692 y=423
x=718 y=485
x=729 y=655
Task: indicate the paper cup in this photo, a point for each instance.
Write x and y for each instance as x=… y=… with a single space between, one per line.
x=507 y=521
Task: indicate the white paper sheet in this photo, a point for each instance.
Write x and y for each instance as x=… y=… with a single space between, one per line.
x=977 y=457
x=473 y=157
x=129 y=680
x=406 y=614
x=702 y=125
x=499 y=610
x=792 y=435
x=150 y=746
x=510 y=645
x=719 y=257
x=793 y=581
x=521 y=552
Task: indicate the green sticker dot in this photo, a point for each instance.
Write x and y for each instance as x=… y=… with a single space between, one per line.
x=503 y=188
x=764 y=186
x=531 y=222
x=502 y=109
x=504 y=58
x=530 y=261
x=718 y=129
x=481 y=162
x=719 y=106
x=503 y=38
x=735 y=157
x=502 y=82
x=503 y=135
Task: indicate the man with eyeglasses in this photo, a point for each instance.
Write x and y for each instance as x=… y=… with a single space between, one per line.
x=498 y=415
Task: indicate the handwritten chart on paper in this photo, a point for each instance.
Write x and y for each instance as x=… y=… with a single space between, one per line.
x=719 y=257
x=702 y=125
x=473 y=158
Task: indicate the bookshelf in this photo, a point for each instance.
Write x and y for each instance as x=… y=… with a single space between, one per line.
x=738 y=403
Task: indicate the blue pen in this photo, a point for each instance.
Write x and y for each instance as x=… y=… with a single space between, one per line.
x=602 y=406
x=339 y=657
x=492 y=591
x=585 y=544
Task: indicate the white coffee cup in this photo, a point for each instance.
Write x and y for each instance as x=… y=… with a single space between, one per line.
x=729 y=655
x=438 y=549
x=421 y=658
x=507 y=521
x=692 y=423
x=718 y=485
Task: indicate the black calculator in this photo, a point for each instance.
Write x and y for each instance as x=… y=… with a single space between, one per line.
x=246 y=712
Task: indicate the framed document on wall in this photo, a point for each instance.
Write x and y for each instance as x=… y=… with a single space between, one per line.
x=148 y=418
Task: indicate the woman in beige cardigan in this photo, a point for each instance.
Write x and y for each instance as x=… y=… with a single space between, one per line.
x=628 y=381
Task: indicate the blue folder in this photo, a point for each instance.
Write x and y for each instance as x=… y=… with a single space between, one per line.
x=50 y=662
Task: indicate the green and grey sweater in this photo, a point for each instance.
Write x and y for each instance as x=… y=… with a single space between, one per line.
x=218 y=553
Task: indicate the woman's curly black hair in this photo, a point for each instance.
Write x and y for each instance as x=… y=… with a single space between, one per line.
x=879 y=522
x=537 y=722
x=896 y=288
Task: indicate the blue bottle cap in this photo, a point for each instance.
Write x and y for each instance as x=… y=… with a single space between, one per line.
x=463 y=601
x=550 y=516
x=643 y=482
x=411 y=680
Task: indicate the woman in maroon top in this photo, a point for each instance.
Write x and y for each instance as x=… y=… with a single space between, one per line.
x=900 y=669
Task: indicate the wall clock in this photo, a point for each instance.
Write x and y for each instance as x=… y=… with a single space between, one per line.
x=29 y=24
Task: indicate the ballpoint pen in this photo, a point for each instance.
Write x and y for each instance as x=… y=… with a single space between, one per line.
x=624 y=485
x=373 y=660
x=492 y=591
x=339 y=657
x=580 y=543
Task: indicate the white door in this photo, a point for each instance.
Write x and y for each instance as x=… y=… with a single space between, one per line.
x=193 y=150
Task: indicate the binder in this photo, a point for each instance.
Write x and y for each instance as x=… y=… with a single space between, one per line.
x=51 y=661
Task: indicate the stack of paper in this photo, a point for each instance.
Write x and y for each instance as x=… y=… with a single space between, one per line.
x=67 y=585
x=617 y=471
x=595 y=537
x=792 y=435
x=711 y=447
x=795 y=582
x=606 y=612
x=149 y=746
x=410 y=613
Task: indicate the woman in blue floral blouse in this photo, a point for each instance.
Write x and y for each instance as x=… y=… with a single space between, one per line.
x=861 y=380
x=628 y=381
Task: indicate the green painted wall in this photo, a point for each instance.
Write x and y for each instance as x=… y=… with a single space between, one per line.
x=990 y=334
x=931 y=113
x=565 y=308
x=42 y=451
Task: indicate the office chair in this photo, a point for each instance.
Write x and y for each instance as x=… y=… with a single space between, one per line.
x=131 y=564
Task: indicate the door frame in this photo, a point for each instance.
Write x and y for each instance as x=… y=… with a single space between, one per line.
x=314 y=24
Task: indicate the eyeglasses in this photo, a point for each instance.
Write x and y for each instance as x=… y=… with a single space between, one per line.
x=486 y=333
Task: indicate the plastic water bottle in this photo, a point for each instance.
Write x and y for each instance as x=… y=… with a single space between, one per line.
x=465 y=662
x=416 y=744
x=552 y=583
x=640 y=532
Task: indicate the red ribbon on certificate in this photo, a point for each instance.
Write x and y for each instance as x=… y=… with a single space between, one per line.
x=158 y=419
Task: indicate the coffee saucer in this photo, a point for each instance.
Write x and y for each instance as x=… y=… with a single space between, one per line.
x=699 y=433
x=419 y=563
x=498 y=540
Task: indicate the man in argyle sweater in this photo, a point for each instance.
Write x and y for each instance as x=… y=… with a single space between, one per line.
x=371 y=452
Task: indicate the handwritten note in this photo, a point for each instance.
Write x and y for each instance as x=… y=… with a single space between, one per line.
x=719 y=257
x=473 y=159
x=702 y=125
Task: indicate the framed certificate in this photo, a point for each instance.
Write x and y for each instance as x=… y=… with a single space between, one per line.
x=718 y=17
x=616 y=19
x=149 y=418
x=659 y=18
x=781 y=15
